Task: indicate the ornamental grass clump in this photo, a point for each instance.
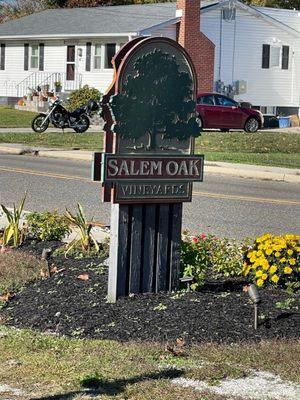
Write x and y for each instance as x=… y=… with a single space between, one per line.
x=273 y=260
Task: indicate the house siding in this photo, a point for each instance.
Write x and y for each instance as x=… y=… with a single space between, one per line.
x=55 y=58
x=238 y=56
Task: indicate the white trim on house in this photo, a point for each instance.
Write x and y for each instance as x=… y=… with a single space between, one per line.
x=158 y=26
x=71 y=36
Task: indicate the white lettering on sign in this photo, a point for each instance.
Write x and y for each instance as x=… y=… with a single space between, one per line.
x=166 y=168
x=135 y=190
x=113 y=168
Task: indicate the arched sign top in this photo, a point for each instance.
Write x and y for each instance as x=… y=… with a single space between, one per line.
x=148 y=45
x=153 y=107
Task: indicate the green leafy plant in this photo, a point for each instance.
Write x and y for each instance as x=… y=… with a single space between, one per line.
x=206 y=255
x=47 y=225
x=86 y=240
x=286 y=304
x=13 y=232
x=81 y=96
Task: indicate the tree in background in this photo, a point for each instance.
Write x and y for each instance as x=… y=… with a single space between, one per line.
x=290 y=4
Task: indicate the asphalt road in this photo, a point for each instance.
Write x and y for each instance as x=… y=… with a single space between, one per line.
x=222 y=205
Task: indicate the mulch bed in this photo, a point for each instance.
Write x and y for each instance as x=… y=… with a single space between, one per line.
x=67 y=305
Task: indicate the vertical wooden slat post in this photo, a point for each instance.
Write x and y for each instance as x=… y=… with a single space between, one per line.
x=136 y=249
x=175 y=245
x=162 y=248
x=149 y=256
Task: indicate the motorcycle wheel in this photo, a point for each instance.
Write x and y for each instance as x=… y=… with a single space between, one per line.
x=37 y=123
x=83 y=124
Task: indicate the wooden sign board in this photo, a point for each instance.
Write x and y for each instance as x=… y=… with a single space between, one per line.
x=148 y=165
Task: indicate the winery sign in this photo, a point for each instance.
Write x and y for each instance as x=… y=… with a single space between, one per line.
x=148 y=165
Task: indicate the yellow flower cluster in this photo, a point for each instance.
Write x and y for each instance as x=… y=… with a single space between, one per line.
x=273 y=259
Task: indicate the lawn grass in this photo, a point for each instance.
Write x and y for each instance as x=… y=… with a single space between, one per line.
x=281 y=149
x=50 y=365
x=68 y=140
x=11 y=118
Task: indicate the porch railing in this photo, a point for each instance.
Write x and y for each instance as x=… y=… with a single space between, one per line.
x=41 y=79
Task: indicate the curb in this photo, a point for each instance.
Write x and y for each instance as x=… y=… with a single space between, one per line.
x=218 y=168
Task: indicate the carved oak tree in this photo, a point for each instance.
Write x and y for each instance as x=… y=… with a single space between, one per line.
x=156 y=99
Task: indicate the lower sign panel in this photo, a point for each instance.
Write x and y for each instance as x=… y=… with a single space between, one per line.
x=150 y=192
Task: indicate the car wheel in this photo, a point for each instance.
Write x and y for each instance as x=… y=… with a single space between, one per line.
x=251 y=125
x=199 y=122
x=224 y=130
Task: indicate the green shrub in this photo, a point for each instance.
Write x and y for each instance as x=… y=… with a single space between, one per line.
x=205 y=256
x=18 y=268
x=47 y=225
x=81 y=96
x=274 y=260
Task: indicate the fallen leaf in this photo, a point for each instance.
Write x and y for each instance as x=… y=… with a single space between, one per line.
x=83 y=277
x=7 y=296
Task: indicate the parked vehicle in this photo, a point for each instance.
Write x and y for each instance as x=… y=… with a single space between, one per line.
x=217 y=111
x=61 y=118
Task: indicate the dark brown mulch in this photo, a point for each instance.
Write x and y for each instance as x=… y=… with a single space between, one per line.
x=66 y=305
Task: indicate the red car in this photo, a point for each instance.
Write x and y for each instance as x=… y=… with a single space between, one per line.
x=217 y=111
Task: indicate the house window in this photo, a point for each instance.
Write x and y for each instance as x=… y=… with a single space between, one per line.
x=110 y=51
x=275 y=56
x=97 y=56
x=34 y=57
x=285 y=57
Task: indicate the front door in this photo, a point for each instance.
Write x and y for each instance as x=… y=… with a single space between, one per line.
x=71 y=62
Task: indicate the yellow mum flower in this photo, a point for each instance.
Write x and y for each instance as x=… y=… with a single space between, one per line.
x=264 y=276
x=273 y=269
x=290 y=252
x=277 y=254
x=269 y=251
x=259 y=253
x=282 y=260
x=288 y=270
x=259 y=282
x=258 y=273
x=292 y=261
x=275 y=278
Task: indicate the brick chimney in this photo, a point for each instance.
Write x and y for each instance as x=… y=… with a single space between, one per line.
x=199 y=47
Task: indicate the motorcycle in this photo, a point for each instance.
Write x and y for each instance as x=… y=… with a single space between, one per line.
x=62 y=118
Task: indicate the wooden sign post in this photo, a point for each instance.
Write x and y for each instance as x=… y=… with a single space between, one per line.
x=148 y=164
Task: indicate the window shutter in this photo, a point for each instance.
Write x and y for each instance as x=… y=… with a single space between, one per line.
x=266 y=56
x=26 y=56
x=41 y=56
x=2 y=57
x=88 y=56
x=285 y=57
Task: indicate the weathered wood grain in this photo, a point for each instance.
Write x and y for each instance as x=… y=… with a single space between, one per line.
x=135 y=249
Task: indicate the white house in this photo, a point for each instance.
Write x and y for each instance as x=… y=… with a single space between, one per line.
x=257 y=53
x=74 y=46
x=256 y=57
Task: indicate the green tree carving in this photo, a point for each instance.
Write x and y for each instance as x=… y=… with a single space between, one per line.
x=156 y=99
